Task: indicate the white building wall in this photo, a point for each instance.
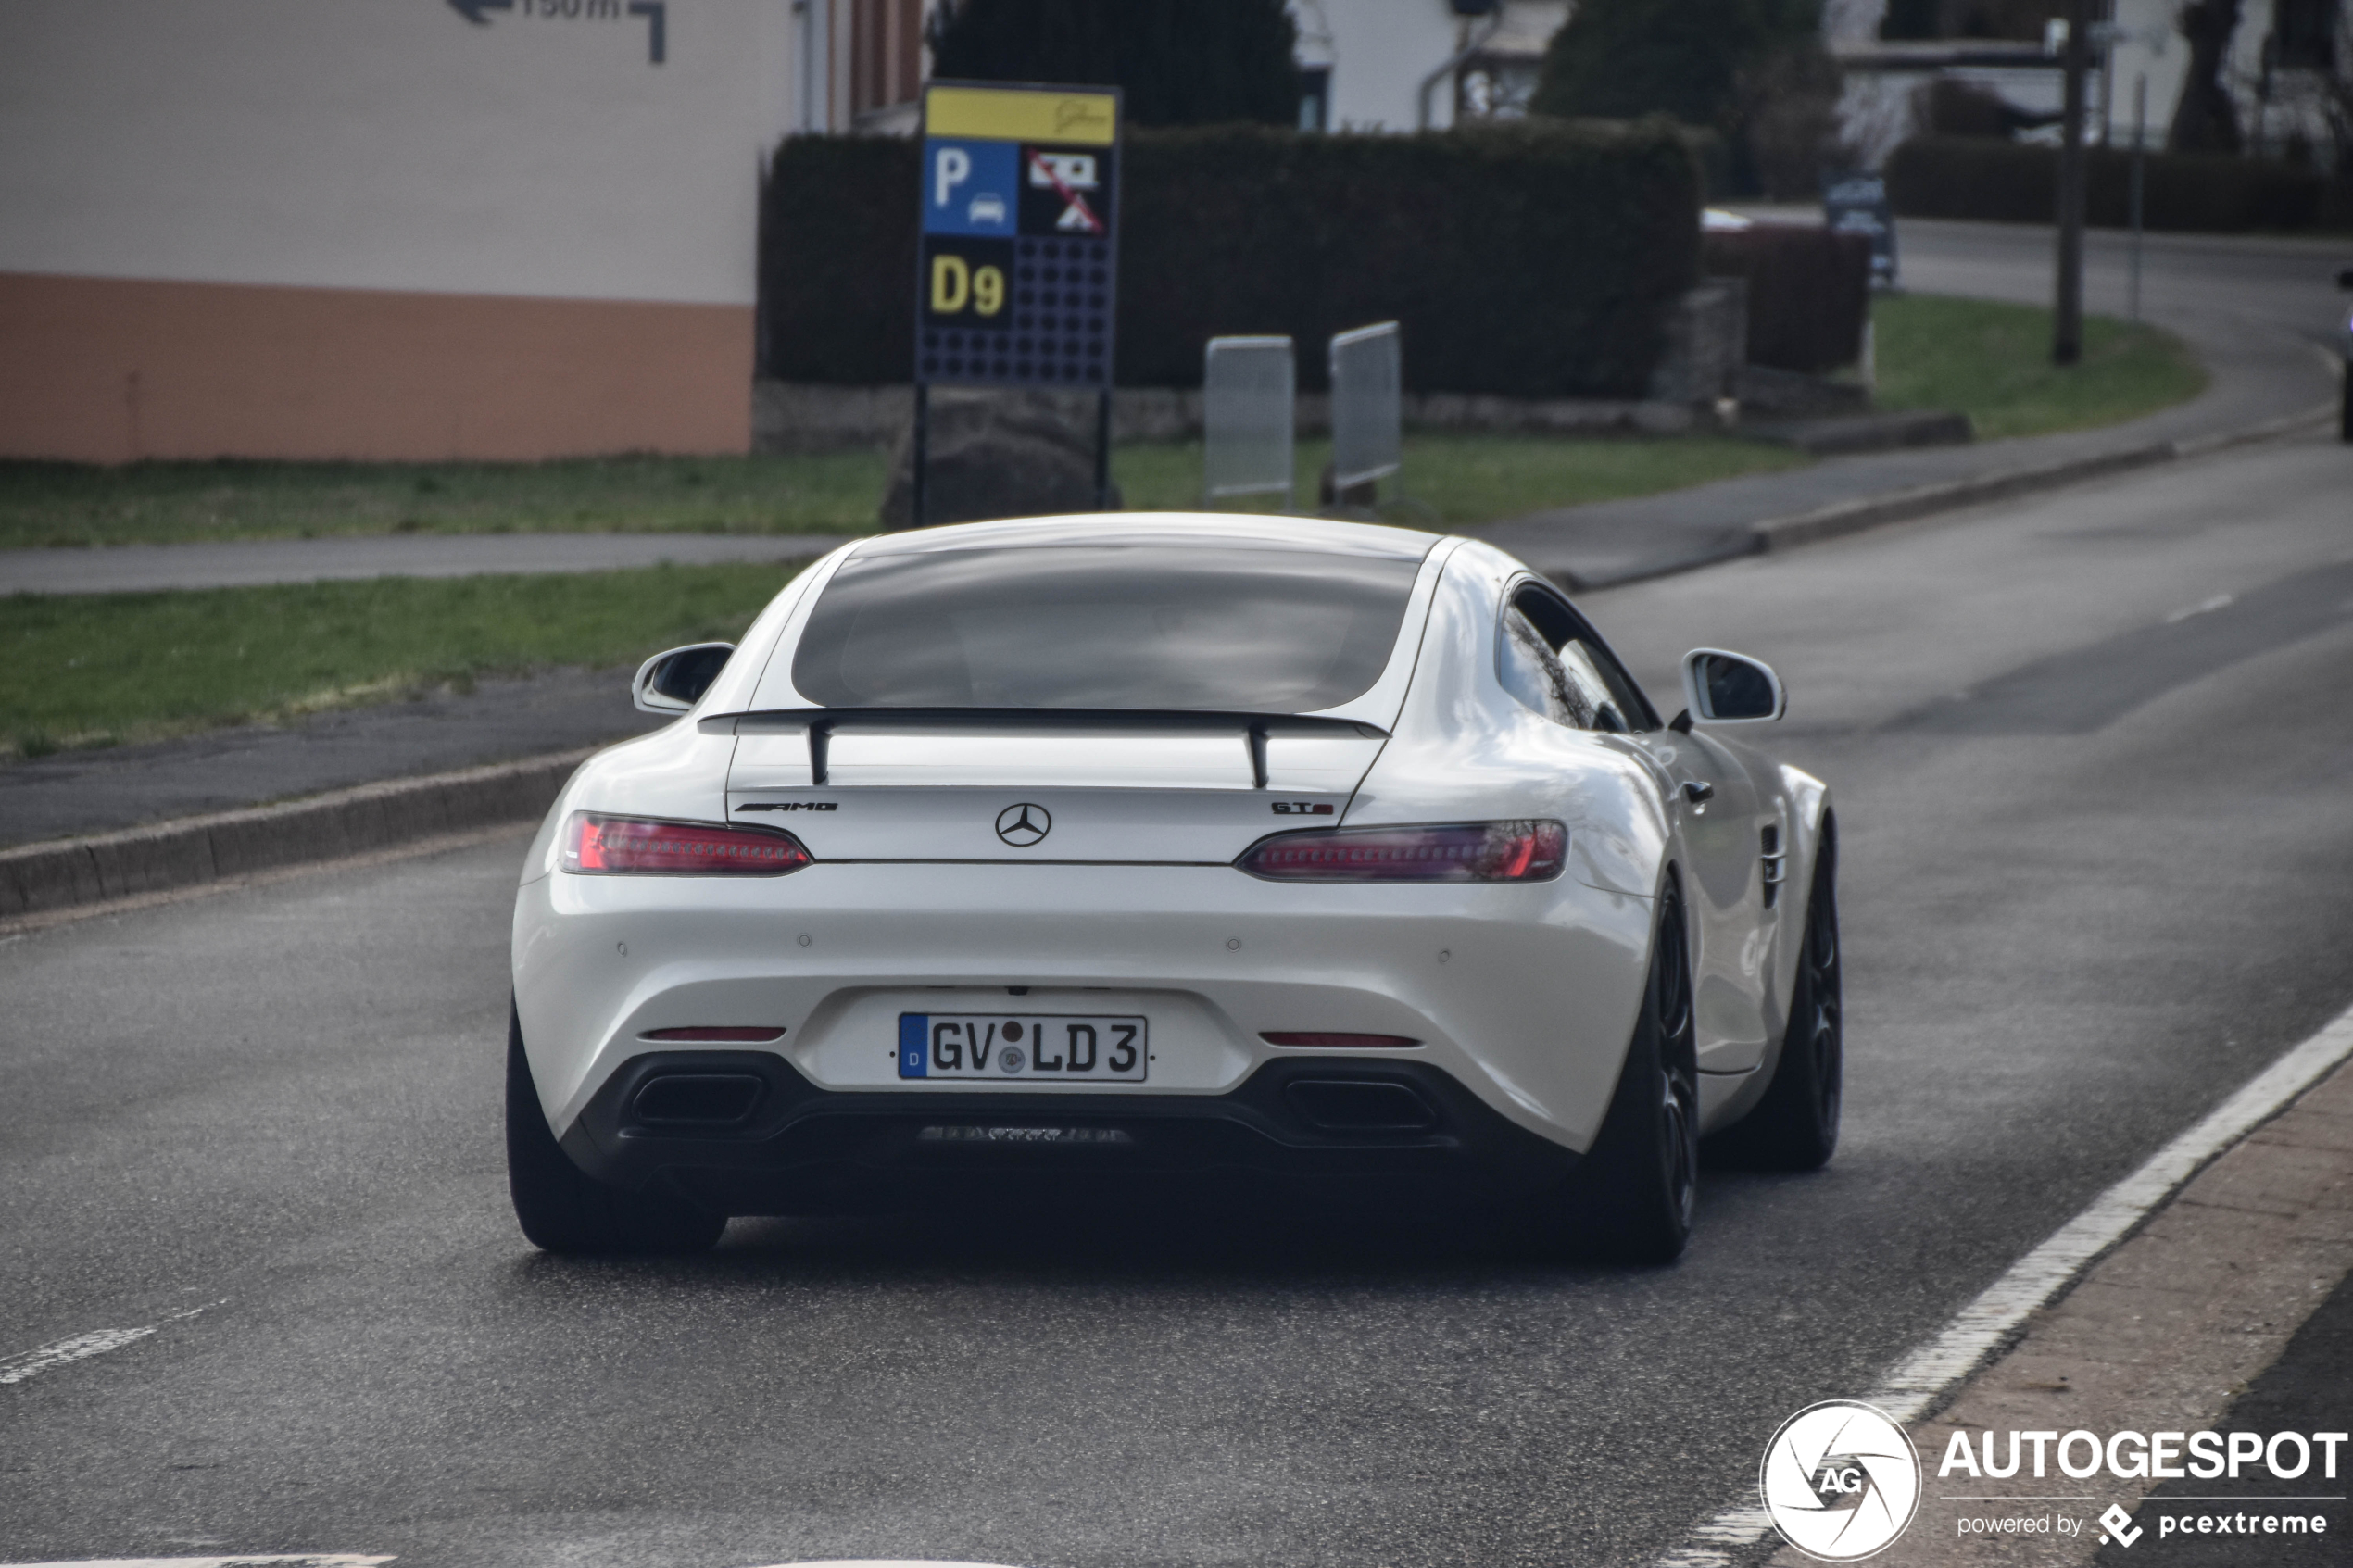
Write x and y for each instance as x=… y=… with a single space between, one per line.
x=362 y=228
x=391 y=146
x=1381 y=51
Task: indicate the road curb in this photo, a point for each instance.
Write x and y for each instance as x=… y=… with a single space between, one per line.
x=45 y=879
x=1843 y=518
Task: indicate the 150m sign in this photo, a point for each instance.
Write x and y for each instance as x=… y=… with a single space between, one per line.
x=655 y=13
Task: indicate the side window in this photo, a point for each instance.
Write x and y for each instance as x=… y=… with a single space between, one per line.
x=1533 y=675
x=1595 y=691
x=1584 y=671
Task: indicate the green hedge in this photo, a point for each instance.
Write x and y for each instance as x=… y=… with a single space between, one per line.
x=2015 y=183
x=1809 y=290
x=1531 y=260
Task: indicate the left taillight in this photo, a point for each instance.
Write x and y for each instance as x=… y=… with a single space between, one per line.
x=605 y=846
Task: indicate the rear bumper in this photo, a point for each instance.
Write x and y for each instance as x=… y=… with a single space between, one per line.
x=746 y=1132
x=1523 y=996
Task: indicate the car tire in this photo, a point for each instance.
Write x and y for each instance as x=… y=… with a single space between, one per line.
x=1794 y=1126
x=565 y=1210
x=1632 y=1197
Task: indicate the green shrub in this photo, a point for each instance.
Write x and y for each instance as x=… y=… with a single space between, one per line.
x=1809 y=290
x=2015 y=183
x=1530 y=260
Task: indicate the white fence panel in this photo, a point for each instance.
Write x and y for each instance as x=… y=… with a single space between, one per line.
x=1368 y=422
x=1249 y=401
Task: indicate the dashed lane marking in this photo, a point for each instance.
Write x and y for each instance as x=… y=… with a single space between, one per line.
x=1919 y=1383
x=97 y=1342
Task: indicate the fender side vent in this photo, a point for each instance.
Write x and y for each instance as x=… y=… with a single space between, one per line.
x=1775 y=864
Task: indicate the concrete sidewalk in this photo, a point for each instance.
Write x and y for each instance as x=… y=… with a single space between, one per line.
x=74 y=793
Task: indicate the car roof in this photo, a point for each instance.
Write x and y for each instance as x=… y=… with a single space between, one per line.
x=1210 y=530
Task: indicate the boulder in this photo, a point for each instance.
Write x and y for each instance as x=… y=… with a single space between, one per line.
x=998 y=454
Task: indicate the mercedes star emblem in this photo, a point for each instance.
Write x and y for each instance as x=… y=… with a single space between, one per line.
x=1024 y=825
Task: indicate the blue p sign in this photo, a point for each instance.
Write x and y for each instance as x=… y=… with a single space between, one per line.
x=971 y=187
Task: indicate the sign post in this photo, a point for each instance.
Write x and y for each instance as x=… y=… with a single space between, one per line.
x=1857 y=204
x=1017 y=262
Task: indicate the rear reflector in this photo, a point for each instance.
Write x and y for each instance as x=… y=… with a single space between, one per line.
x=1335 y=1042
x=611 y=846
x=1518 y=851
x=727 y=1034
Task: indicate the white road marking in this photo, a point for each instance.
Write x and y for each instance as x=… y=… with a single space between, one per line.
x=329 y=1560
x=1917 y=1383
x=2204 y=607
x=97 y=1342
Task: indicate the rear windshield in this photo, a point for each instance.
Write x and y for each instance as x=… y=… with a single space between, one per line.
x=1201 y=625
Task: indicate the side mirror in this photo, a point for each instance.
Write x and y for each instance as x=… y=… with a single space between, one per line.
x=1731 y=688
x=675 y=681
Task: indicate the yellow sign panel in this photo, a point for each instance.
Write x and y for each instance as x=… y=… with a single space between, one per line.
x=1020 y=114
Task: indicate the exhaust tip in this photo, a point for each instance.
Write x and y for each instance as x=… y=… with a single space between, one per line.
x=1358 y=1105
x=697 y=1099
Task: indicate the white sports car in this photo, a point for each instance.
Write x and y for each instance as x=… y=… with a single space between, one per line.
x=1093 y=850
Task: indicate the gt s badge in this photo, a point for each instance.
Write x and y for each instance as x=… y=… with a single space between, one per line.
x=792 y=806
x=1303 y=808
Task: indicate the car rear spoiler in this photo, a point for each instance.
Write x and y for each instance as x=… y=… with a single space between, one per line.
x=821 y=722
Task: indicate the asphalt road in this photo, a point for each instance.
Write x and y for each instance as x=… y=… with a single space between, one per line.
x=2093 y=760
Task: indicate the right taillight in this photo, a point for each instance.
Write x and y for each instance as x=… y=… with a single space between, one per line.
x=1513 y=851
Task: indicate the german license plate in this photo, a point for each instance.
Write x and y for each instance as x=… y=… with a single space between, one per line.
x=1050 y=1048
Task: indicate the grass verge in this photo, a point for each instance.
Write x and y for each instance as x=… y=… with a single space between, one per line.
x=93 y=670
x=180 y=503
x=1455 y=478
x=1993 y=362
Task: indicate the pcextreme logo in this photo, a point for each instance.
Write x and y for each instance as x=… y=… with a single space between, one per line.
x=1840 y=1480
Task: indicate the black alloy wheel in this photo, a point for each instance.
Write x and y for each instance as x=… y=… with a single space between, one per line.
x=1794 y=1125
x=561 y=1208
x=1633 y=1197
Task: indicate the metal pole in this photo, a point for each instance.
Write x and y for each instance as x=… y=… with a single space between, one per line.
x=2067 y=335
x=2344 y=416
x=922 y=453
x=2140 y=160
x=1103 y=450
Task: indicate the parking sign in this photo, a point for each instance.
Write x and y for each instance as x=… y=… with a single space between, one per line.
x=1019 y=259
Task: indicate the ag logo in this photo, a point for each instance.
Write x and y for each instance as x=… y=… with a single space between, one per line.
x=1840 y=1480
x=1024 y=825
